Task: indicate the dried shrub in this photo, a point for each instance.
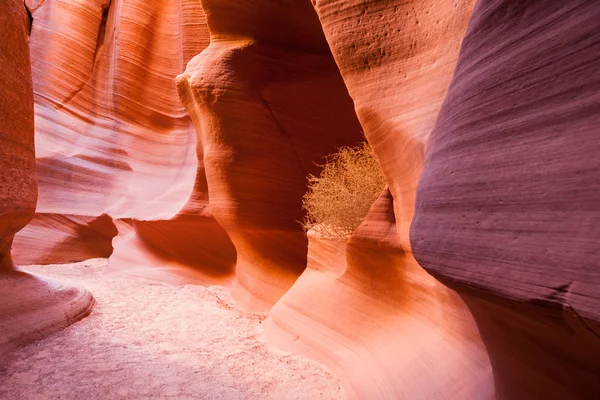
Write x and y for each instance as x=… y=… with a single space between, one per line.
x=338 y=200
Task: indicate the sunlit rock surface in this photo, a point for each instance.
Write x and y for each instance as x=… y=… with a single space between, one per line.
x=268 y=103
x=30 y=307
x=113 y=138
x=508 y=203
x=368 y=309
x=385 y=326
x=176 y=137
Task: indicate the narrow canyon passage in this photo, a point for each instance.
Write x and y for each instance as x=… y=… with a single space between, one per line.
x=153 y=341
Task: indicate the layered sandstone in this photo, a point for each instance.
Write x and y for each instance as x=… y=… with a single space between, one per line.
x=52 y=238
x=507 y=206
x=18 y=189
x=114 y=140
x=33 y=307
x=510 y=172
x=268 y=103
x=387 y=328
x=397 y=332
x=30 y=307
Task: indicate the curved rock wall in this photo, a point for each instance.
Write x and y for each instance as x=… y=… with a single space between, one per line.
x=18 y=189
x=507 y=210
x=387 y=328
x=108 y=118
x=398 y=333
x=281 y=85
x=64 y=238
x=30 y=307
x=268 y=103
x=114 y=139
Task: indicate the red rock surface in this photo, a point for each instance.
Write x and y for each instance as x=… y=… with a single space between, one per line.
x=385 y=327
x=507 y=207
x=397 y=332
x=268 y=103
x=65 y=237
x=18 y=189
x=113 y=137
x=30 y=307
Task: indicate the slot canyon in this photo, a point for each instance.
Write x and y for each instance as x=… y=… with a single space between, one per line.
x=156 y=158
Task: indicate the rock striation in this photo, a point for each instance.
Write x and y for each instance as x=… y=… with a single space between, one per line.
x=385 y=327
x=507 y=206
x=268 y=102
x=57 y=238
x=18 y=189
x=397 y=332
x=30 y=307
x=176 y=137
x=114 y=140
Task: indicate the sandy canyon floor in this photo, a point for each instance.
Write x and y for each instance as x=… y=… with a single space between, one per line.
x=153 y=341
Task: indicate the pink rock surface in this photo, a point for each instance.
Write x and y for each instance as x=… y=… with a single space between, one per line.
x=148 y=341
x=113 y=137
x=385 y=326
x=268 y=103
x=214 y=197
x=397 y=332
x=508 y=202
x=18 y=189
x=65 y=237
x=30 y=307
x=33 y=307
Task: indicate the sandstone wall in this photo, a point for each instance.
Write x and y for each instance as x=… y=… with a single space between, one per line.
x=18 y=189
x=507 y=206
x=397 y=332
x=268 y=103
x=30 y=307
x=113 y=139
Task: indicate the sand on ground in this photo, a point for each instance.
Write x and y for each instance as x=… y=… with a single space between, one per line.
x=154 y=341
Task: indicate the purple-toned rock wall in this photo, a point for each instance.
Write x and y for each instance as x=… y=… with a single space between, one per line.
x=508 y=206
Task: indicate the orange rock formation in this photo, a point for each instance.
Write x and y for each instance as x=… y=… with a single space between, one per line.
x=30 y=306
x=271 y=87
x=113 y=139
x=268 y=103
x=397 y=332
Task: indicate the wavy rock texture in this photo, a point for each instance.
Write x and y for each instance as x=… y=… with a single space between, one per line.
x=112 y=136
x=65 y=237
x=507 y=210
x=397 y=332
x=268 y=103
x=18 y=189
x=30 y=307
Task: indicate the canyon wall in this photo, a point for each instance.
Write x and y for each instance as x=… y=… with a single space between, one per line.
x=397 y=332
x=116 y=151
x=18 y=189
x=30 y=307
x=505 y=212
x=268 y=103
x=507 y=206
